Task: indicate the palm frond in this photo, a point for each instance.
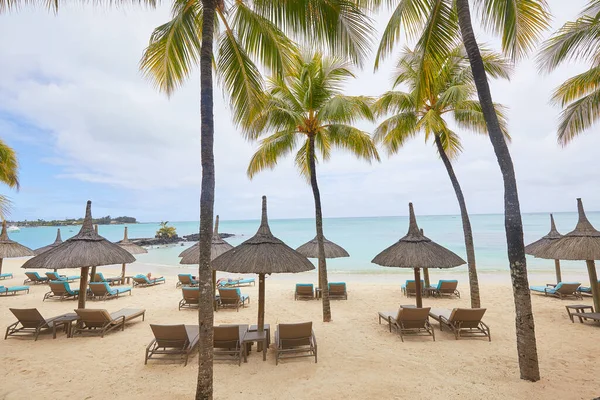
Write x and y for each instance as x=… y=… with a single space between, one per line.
x=450 y=143
x=579 y=116
x=577 y=86
x=9 y=166
x=396 y=130
x=346 y=109
x=271 y=149
x=353 y=140
x=469 y=115
x=394 y=102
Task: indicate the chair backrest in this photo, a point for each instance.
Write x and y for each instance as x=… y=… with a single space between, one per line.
x=59 y=288
x=28 y=317
x=467 y=317
x=337 y=288
x=411 y=285
x=191 y=295
x=96 y=318
x=99 y=277
x=185 y=278
x=33 y=276
x=567 y=287
x=294 y=335
x=413 y=317
x=170 y=336
x=304 y=289
x=229 y=296
x=141 y=279
x=100 y=288
x=53 y=276
x=447 y=286
x=226 y=337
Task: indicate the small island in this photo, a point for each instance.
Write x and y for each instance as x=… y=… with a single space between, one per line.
x=108 y=220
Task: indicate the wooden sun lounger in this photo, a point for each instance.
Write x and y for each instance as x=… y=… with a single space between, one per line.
x=232 y=298
x=172 y=342
x=409 y=320
x=304 y=291
x=98 y=321
x=54 y=276
x=562 y=290
x=99 y=277
x=295 y=341
x=35 y=278
x=464 y=322
x=227 y=342
x=102 y=291
x=410 y=288
x=337 y=291
x=143 y=281
x=61 y=290
x=186 y=280
x=31 y=322
x=13 y=290
x=446 y=288
x=7 y=275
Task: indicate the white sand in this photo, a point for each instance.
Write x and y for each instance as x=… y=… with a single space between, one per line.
x=357 y=357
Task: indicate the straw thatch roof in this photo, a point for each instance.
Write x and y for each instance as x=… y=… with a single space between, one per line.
x=218 y=246
x=415 y=250
x=310 y=249
x=263 y=253
x=10 y=248
x=85 y=249
x=540 y=245
x=57 y=241
x=131 y=247
x=583 y=243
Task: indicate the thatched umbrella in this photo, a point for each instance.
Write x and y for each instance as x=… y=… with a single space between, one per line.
x=538 y=246
x=218 y=246
x=583 y=243
x=310 y=249
x=262 y=254
x=57 y=241
x=417 y=251
x=83 y=250
x=11 y=249
x=132 y=248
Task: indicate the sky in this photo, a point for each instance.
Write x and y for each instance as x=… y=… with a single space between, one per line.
x=87 y=125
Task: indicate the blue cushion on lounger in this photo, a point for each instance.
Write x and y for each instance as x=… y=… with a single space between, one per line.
x=304 y=284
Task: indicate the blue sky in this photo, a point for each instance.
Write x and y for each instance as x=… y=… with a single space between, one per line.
x=87 y=125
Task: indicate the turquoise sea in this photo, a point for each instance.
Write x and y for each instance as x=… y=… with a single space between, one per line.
x=363 y=238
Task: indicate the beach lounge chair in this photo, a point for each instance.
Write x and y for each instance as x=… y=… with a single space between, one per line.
x=7 y=275
x=31 y=322
x=143 y=281
x=294 y=341
x=562 y=290
x=464 y=322
x=54 y=276
x=172 y=342
x=410 y=288
x=304 y=291
x=99 y=277
x=35 y=278
x=232 y=298
x=186 y=280
x=13 y=290
x=61 y=290
x=586 y=290
x=191 y=297
x=409 y=320
x=337 y=291
x=237 y=282
x=98 y=321
x=102 y=291
x=446 y=288
x=227 y=342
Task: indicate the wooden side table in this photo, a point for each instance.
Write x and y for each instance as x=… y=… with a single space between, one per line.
x=258 y=337
x=579 y=308
x=254 y=328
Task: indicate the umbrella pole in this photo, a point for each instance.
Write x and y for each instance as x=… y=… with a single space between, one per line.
x=214 y=285
x=123 y=274
x=426 y=277
x=261 y=306
x=591 y=266
x=419 y=289
x=83 y=287
x=1 y=265
x=557 y=268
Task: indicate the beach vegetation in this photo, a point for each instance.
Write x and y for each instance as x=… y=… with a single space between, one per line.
x=9 y=175
x=165 y=231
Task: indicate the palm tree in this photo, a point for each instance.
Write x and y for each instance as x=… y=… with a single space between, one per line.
x=9 y=174
x=449 y=92
x=306 y=111
x=436 y=24
x=166 y=231
x=246 y=32
x=580 y=95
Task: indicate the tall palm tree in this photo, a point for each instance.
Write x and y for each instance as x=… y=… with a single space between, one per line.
x=9 y=174
x=580 y=95
x=306 y=111
x=450 y=92
x=246 y=32
x=519 y=23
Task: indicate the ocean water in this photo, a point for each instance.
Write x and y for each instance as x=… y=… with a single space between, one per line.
x=363 y=238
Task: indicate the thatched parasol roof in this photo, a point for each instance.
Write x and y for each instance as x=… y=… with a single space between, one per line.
x=583 y=243
x=415 y=250
x=218 y=246
x=310 y=249
x=263 y=253
x=131 y=247
x=85 y=249
x=539 y=245
x=57 y=241
x=10 y=248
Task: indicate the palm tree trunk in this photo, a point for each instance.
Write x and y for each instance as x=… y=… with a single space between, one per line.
x=204 y=388
x=466 y=223
x=319 y=219
x=526 y=343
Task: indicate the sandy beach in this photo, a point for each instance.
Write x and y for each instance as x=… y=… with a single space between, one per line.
x=358 y=358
